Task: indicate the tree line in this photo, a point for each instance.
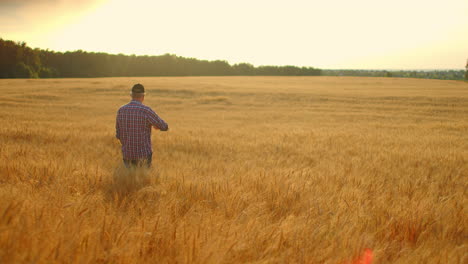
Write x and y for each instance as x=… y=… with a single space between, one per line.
x=466 y=72
x=17 y=60
x=425 y=74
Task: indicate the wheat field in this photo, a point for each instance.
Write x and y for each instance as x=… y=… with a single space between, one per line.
x=252 y=170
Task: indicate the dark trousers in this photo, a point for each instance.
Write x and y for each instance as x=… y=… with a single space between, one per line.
x=144 y=162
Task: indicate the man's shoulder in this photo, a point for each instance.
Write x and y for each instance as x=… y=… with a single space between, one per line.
x=123 y=107
x=133 y=105
x=144 y=107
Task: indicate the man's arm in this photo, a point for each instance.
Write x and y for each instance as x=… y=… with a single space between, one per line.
x=156 y=121
x=117 y=128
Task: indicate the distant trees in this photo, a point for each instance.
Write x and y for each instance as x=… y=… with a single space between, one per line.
x=287 y=70
x=425 y=74
x=244 y=69
x=19 y=61
x=466 y=72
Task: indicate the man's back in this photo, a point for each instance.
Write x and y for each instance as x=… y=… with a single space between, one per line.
x=133 y=129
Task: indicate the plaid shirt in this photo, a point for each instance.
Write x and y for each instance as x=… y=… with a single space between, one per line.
x=133 y=129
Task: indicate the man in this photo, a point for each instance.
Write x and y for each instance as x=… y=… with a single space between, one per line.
x=133 y=129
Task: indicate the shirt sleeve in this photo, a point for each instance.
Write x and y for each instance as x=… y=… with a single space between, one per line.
x=156 y=121
x=117 y=128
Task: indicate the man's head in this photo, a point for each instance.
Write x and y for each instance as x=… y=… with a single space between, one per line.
x=138 y=92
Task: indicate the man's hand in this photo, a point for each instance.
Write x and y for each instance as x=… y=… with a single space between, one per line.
x=157 y=128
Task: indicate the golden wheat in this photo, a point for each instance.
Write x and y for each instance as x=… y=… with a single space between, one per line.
x=253 y=169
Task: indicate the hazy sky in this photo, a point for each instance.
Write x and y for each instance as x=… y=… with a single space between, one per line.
x=398 y=34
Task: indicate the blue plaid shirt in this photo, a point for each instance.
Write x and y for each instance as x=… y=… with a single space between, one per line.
x=133 y=129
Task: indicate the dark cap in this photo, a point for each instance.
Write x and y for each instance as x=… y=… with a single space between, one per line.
x=138 y=89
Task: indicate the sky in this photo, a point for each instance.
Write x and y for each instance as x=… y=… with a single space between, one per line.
x=327 y=34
